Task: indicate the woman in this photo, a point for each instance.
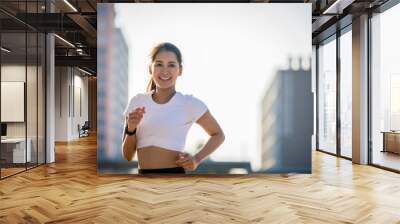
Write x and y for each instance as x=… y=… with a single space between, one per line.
x=157 y=122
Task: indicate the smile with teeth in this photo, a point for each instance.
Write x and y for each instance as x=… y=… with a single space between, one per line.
x=165 y=78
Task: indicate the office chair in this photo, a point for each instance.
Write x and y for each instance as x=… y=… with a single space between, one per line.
x=84 y=130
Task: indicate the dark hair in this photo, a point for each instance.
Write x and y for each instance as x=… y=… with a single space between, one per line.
x=159 y=48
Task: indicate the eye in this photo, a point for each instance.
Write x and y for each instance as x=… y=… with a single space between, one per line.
x=158 y=64
x=172 y=65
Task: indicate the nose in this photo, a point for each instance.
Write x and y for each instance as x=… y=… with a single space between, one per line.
x=164 y=70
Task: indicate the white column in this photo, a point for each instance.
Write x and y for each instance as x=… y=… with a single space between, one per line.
x=50 y=92
x=360 y=90
x=50 y=109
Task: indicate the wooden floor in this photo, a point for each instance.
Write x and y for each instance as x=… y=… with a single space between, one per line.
x=8 y=171
x=5 y=172
x=387 y=159
x=70 y=191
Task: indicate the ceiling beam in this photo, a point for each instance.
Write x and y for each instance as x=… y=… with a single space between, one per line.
x=82 y=61
x=337 y=6
x=83 y=23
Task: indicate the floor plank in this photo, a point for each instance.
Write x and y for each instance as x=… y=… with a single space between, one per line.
x=70 y=191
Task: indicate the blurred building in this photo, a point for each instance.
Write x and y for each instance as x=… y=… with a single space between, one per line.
x=112 y=64
x=287 y=122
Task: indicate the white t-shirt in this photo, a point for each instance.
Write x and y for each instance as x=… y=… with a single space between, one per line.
x=165 y=125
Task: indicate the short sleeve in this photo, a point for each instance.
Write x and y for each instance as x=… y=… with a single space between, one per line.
x=196 y=108
x=132 y=104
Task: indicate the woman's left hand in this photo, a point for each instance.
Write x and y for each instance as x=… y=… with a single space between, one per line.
x=187 y=161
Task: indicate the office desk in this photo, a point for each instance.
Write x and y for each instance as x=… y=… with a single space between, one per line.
x=391 y=141
x=13 y=150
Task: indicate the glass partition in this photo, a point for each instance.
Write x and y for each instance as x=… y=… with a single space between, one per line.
x=13 y=89
x=31 y=98
x=22 y=90
x=327 y=96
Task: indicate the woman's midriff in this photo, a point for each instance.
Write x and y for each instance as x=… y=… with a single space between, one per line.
x=153 y=157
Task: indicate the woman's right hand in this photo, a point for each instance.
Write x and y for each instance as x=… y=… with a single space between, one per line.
x=134 y=117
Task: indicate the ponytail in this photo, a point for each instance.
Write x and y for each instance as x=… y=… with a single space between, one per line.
x=151 y=86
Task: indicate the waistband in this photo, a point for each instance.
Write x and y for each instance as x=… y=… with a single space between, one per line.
x=174 y=170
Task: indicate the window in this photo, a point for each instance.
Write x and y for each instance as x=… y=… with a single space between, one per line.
x=385 y=88
x=346 y=93
x=327 y=96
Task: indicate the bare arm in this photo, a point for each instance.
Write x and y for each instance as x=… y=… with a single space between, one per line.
x=217 y=137
x=129 y=146
x=129 y=141
x=211 y=126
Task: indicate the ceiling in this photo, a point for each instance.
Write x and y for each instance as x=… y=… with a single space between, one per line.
x=76 y=22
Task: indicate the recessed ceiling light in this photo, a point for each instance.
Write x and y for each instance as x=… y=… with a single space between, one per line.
x=86 y=72
x=337 y=7
x=5 y=50
x=71 y=6
x=64 y=40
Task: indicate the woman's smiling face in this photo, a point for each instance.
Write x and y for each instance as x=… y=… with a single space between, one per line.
x=165 y=69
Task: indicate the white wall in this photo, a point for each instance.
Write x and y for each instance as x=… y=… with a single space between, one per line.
x=69 y=85
x=12 y=73
x=61 y=103
x=33 y=126
x=80 y=89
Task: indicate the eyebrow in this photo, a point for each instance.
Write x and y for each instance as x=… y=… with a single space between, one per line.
x=173 y=62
